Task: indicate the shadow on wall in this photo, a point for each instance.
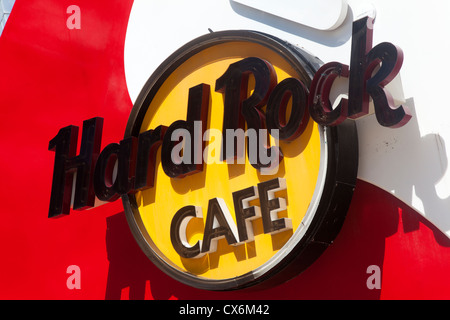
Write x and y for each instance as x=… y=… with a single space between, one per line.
x=372 y=233
x=130 y=271
x=406 y=163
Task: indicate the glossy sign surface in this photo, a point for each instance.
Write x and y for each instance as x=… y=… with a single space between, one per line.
x=159 y=204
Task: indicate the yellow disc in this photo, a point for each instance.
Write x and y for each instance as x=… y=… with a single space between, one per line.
x=157 y=205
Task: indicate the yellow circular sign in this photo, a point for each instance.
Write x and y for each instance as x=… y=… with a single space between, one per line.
x=240 y=183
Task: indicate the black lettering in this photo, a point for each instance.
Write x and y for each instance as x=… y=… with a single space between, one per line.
x=103 y=177
x=319 y=104
x=126 y=162
x=192 y=160
x=218 y=211
x=124 y=156
x=239 y=106
x=287 y=89
x=178 y=232
x=245 y=213
x=358 y=99
x=149 y=142
x=66 y=164
x=270 y=206
x=391 y=59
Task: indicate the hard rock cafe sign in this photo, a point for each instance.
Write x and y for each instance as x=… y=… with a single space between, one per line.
x=235 y=170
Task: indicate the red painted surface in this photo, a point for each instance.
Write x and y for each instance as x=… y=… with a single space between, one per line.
x=52 y=77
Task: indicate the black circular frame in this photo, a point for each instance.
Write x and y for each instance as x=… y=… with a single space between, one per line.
x=338 y=185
